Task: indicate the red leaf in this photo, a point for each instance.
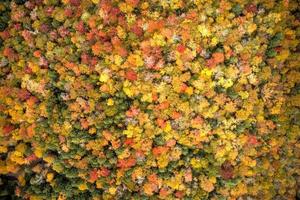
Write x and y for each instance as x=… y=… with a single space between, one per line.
x=251 y=8
x=23 y=94
x=252 y=140
x=105 y=5
x=137 y=30
x=128 y=141
x=31 y=158
x=93 y=175
x=75 y=2
x=104 y=172
x=226 y=170
x=10 y=53
x=5 y=34
x=126 y=163
x=181 y=48
x=131 y=75
x=179 y=194
x=7 y=129
x=68 y=12
x=211 y=63
x=80 y=27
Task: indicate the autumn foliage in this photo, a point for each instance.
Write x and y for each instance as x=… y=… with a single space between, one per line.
x=149 y=99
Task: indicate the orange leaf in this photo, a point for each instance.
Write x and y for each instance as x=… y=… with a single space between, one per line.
x=32 y=101
x=171 y=143
x=218 y=57
x=132 y=112
x=164 y=105
x=155 y=25
x=133 y=3
x=37 y=53
x=152 y=178
x=183 y=87
x=154 y=96
x=107 y=135
x=164 y=192
x=31 y=130
x=84 y=123
x=149 y=188
x=161 y=123
x=96 y=48
x=175 y=115
x=188 y=176
x=159 y=150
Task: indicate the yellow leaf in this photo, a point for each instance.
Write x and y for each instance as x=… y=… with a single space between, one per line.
x=128 y=91
x=21 y=179
x=226 y=83
x=214 y=41
x=206 y=73
x=95 y=1
x=110 y=102
x=92 y=131
x=124 y=154
x=162 y=161
x=147 y=97
x=242 y=114
x=38 y=152
x=284 y=54
x=17 y=157
x=244 y=94
x=132 y=131
x=196 y=163
x=126 y=8
x=135 y=60
x=168 y=127
x=104 y=77
x=248 y=161
x=3 y=149
x=112 y=190
x=82 y=187
x=50 y=177
x=175 y=182
x=121 y=33
x=99 y=184
x=204 y=31
x=49 y=159
x=158 y=40
x=251 y=28
x=118 y=60
x=189 y=91
x=35 y=197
